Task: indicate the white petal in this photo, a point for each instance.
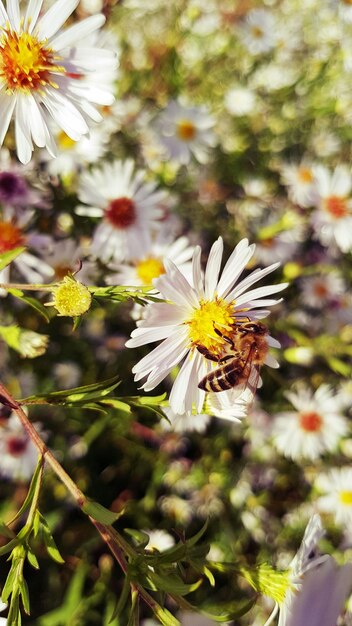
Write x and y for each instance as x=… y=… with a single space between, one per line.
x=37 y=124
x=77 y=32
x=13 y=11
x=55 y=17
x=253 y=277
x=22 y=133
x=165 y=355
x=33 y=10
x=213 y=268
x=197 y=272
x=235 y=266
x=65 y=115
x=174 y=286
x=141 y=336
x=3 y=15
x=7 y=105
x=258 y=293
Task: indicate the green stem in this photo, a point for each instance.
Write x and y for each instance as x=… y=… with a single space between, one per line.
x=27 y=286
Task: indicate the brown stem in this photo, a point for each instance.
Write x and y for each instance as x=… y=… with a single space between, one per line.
x=8 y=400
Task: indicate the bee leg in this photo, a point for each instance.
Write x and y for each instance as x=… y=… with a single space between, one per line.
x=224 y=337
x=205 y=352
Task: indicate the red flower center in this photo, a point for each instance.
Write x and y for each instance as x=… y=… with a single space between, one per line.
x=16 y=446
x=311 y=422
x=10 y=237
x=336 y=206
x=121 y=212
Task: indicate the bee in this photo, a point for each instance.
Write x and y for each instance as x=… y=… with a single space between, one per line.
x=240 y=363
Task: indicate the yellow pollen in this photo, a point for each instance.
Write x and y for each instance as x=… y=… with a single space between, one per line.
x=149 y=268
x=65 y=142
x=211 y=315
x=71 y=298
x=25 y=62
x=346 y=497
x=186 y=130
x=305 y=175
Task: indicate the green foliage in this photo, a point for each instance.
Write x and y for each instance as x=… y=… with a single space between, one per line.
x=7 y=257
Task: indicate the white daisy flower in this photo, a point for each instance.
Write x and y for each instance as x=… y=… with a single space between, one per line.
x=259 y=31
x=159 y=540
x=185 y=130
x=337 y=485
x=301 y=564
x=300 y=182
x=184 y=423
x=240 y=101
x=18 y=454
x=318 y=291
x=13 y=234
x=44 y=73
x=130 y=206
x=145 y=268
x=332 y=220
x=196 y=316
x=65 y=257
x=228 y=405
x=314 y=428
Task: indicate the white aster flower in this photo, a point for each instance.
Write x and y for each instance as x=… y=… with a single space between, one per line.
x=314 y=428
x=259 y=31
x=14 y=234
x=240 y=101
x=18 y=454
x=66 y=256
x=159 y=540
x=228 y=405
x=337 y=485
x=144 y=268
x=332 y=220
x=300 y=182
x=318 y=291
x=185 y=130
x=130 y=207
x=193 y=317
x=304 y=561
x=45 y=73
x=323 y=595
x=185 y=423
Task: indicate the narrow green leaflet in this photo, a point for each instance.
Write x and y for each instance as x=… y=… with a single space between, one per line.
x=7 y=257
x=76 y=395
x=226 y=612
x=32 y=302
x=171 y=584
x=100 y=513
x=32 y=487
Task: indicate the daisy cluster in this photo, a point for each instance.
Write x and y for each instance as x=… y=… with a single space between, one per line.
x=199 y=153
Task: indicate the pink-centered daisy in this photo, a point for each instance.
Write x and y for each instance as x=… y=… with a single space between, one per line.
x=130 y=207
x=193 y=316
x=45 y=73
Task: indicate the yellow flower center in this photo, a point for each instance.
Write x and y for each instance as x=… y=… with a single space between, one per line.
x=25 y=62
x=212 y=315
x=149 y=268
x=257 y=32
x=71 y=298
x=346 y=497
x=186 y=130
x=305 y=175
x=65 y=142
x=10 y=237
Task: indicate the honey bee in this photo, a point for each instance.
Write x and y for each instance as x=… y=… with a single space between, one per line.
x=242 y=358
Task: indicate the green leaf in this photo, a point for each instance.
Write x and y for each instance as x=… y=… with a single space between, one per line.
x=9 y=583
x=32 y=559
x=171 y=584
x=62 y=615
x=9 y=546
x=25 y=596
x=338 y=366
x=7 y=257
x=31 y=491
x=50 y=544
x=76 y=395
x=32 y=302
x=226 y=612
x=100 y=513
x=165 y=617
x=121 y=603
x=209 y=575
x=140 y=537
